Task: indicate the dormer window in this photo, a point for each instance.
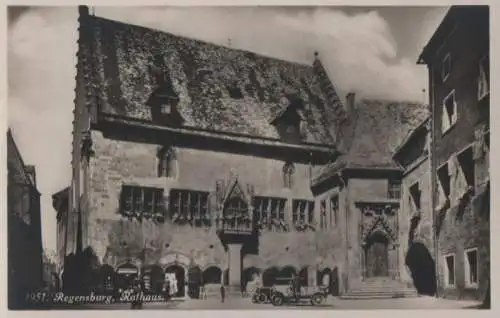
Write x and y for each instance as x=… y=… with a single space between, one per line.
x=288 y=170
x=234 y=91
x=163 y=100
x=167 y=163
x=290 y=122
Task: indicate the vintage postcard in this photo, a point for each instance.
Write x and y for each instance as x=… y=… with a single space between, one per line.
x=257 y=157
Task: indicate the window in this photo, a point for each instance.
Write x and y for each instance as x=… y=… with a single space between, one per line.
x=483 y=83
x=270 y=212
x=189 y=206
x=288 y=171
x=394 y=189
x=444 y=179
x=446 y=67
x=303 y=214
x=471 y=267
x=322 y=220
x=167 y=163
x=234 y=91
x=142 y=202
x=334 y=210
x=466 y=161
x=416 y=194
x=236 y=207
x=449 y=117
x=450 y=270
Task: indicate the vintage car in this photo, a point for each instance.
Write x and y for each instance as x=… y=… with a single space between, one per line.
x=262 y=295
x=284 y=294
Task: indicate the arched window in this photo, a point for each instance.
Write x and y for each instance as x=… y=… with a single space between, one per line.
x=288 y=170
x=167 y=163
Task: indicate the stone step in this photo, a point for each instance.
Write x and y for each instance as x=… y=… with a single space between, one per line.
x=380 y=288
x=361 y=297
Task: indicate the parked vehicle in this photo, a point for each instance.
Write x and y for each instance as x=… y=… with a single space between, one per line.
x=262 y=295
x=314 y=295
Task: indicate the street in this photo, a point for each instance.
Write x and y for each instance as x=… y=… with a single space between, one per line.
x=332 y=303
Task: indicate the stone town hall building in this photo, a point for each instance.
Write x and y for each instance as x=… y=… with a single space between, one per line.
x=211 y=164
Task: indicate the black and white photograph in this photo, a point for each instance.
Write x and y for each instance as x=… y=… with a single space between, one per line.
x=248 y=157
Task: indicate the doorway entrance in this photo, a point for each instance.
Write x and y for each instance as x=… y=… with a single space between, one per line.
x=176 y=275
x=377 y=256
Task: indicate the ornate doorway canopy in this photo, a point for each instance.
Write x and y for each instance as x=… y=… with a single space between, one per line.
x=234 y=205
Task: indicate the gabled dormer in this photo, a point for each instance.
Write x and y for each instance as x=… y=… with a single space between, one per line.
x=290 y=121
x=163 y=100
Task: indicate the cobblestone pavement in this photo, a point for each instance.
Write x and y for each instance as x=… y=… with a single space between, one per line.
x=333 y=303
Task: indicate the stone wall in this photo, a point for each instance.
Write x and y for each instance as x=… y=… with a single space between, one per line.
x=465 y=228
x=424 y=231
x=115 y=238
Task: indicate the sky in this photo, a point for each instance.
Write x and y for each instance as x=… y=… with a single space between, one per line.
x=368 y=50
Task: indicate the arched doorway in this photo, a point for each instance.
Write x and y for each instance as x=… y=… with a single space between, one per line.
x=126 y=274
x=285 y=275
x=249 y=279
x=195 y=279
x=324 y=277
x=153 y=279
x=269 y=276
x=335 y=282
x=212 y=275
x=107 y=279
x=304 y=277
x=377 y=255
x=422 y=268
x=176 y=275
x=249 y=274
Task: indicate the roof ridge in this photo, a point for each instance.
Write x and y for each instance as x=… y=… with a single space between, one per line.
x=151 y=29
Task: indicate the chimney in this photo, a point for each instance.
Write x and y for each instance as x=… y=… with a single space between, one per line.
x=350 y=102
x=83 y=11
x=30 y=171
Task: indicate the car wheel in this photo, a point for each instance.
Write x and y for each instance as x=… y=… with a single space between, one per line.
x=261 y=298
x=277 y=300
x=317 y=299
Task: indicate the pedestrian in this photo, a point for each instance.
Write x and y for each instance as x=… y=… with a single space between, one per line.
x=222 y=293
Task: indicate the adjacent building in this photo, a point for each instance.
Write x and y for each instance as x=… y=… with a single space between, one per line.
x=24 y=228
x=363 y=189
x=60 y=203
x=207 y=165
x=417 y=234
x=457 y=57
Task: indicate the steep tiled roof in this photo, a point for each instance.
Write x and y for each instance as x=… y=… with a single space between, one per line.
x=202 y=76
x=374 y=129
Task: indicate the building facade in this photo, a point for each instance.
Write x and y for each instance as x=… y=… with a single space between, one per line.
x=373 y=223
x=417 y=232
x=207 y=165
x=457 y=57
x=24 y=228
x=60 y=203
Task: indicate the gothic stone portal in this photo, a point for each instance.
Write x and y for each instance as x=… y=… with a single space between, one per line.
x=377 y=256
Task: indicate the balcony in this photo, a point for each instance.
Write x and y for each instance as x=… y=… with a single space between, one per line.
x=235 y=226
